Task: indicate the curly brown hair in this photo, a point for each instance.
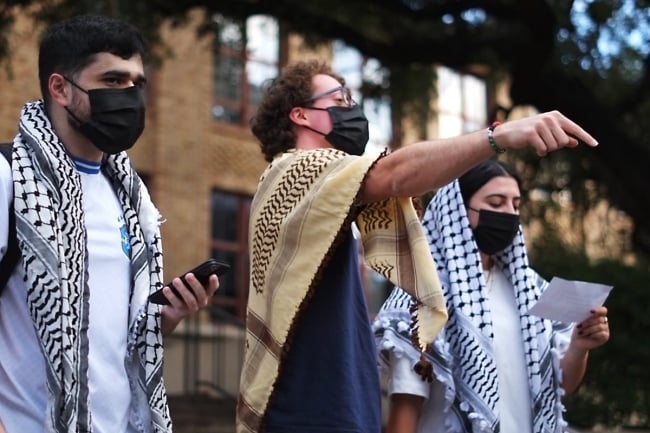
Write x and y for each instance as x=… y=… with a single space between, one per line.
x=271 y=124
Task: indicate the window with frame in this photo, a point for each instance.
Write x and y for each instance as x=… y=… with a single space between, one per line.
x=357 y=69
x=246 y=55
x=230 y=214
x=462 y=103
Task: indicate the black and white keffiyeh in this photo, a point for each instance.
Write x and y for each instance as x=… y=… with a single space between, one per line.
x=52 y=238
x=462 y=355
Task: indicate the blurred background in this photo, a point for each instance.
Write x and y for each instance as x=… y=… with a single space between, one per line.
x=421 y=69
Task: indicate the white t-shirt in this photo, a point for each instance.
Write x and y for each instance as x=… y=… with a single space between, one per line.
x=23 y=393
x=514 y=394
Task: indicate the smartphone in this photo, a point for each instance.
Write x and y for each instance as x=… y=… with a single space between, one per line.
x=202 y=273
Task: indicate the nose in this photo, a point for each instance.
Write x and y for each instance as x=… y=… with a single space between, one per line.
x=510 y=208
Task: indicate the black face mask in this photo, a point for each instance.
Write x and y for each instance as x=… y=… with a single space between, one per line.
x=349 y=128
x=495 y=230
x=116 y=118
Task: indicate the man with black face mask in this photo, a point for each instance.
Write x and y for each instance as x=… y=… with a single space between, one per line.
x=494 y=366
x=310 y=361
x=116 y=117
x=80 y=345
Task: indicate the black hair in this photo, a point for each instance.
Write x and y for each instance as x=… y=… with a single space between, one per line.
x=69 y=46
x=479 y=175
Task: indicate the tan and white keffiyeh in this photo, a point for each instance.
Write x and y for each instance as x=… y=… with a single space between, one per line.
x=52 y=238
x=304 y=201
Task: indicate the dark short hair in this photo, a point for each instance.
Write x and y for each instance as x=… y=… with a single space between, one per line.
x=67 y=47
x=271 y=124
x=482 y=173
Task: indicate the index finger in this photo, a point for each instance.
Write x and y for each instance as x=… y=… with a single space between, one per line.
x=214 y=284
x=575 y=132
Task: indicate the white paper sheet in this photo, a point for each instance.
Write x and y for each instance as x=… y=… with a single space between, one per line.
x=570 y=301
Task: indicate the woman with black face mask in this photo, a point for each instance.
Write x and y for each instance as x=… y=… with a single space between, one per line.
x=493 y=367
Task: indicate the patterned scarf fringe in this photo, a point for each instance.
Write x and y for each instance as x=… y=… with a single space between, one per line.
x=423 y=367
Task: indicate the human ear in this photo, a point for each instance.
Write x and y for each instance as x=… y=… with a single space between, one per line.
x=58 y=89
x=297 y=116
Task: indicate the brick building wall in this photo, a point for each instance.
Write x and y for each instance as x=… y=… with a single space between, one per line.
x=186 y=153
x=18 y=76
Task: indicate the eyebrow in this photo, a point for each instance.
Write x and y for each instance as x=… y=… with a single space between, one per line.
x=115 y=73
x=503 y=196
x=327 y=92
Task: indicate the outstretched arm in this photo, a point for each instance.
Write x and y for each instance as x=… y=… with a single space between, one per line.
x=427 y=165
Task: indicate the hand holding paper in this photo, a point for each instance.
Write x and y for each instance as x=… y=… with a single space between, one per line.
x=570 y=301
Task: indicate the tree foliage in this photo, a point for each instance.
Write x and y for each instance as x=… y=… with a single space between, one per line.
x=590 y=59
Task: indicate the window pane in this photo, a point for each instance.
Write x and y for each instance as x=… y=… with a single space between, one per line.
x=228 y=70
x=462 y=103
x=228 y=73
x=230 y=244
x=263 y=41
x=348 y=62
x=230 y=33
x=449 y=91
x=263 y=51
x=246 y=56
x=475 y=100
x=224 y=216
x=258 y=74
x=449 y=125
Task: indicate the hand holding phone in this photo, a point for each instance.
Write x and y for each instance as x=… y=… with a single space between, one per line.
x=202 y=273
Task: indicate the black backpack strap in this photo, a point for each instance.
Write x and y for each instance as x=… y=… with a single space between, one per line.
x=10 y=259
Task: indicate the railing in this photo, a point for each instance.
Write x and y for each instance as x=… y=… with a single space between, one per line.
x=204 y=355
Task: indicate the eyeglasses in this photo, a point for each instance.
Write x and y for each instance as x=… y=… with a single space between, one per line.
x=345 y=98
